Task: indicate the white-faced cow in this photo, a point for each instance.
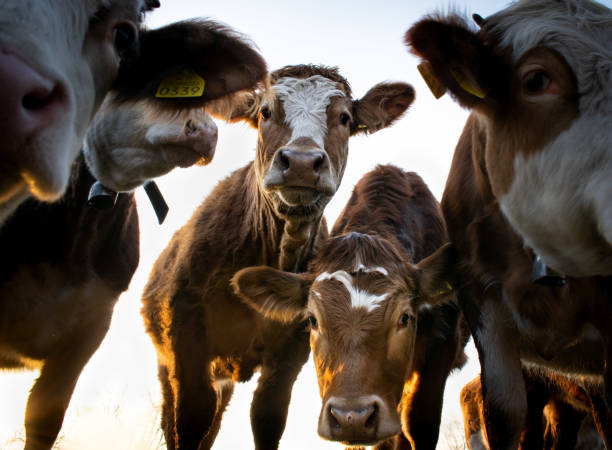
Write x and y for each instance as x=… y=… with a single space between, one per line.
x=561 y=414
x=529 y=104
x=383 y=330
x=537 y=76
x=266 y=213
x=58 y=60
x=64 y=264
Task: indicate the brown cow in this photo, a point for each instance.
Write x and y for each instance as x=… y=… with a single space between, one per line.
x=511 y=319
x=266 y=213
x=559 y=413
x=65 y=264
x=381 y=328
x=538 y=75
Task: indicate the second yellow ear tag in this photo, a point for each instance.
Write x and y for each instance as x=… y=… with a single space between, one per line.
x=436 y=88
x=185 y=83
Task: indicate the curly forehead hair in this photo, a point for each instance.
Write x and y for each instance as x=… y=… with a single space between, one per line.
x=310 y=70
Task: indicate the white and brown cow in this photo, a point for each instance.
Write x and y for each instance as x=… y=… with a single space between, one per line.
x=538 y=77
x=383 y=330
x=269 y=212
x=529 y=103
x=59 y=59
x=64 y=264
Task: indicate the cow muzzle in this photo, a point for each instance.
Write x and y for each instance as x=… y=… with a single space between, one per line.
x=363 y=420
x=300 y=176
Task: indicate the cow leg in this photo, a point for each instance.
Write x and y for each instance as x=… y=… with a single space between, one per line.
x=563 y=424
x=167 y=419
x=271 y=398
x=602 y=418
x=471 y=407
x=537 y=398
x=224 y=394
x=423 y=396
x=503 y=388
x=50 y=395
x=195 y=396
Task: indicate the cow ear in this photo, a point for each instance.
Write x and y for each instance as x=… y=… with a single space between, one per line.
x=381 y=106
x=188 y=64
x=437 y=275
x=278 y=295
x=455 y=58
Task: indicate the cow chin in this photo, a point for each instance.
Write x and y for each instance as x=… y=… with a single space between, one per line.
x=299 y=202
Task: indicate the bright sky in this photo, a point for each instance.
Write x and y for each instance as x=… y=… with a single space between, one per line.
x=116 y=402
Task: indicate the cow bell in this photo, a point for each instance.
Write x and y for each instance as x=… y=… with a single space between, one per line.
x=101 y=197
x=544 y=275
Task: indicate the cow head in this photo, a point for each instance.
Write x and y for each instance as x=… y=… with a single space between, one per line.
x=361 y=300
x=304 y=128
x=59 y=59
x=138 y=134
x=537 y=75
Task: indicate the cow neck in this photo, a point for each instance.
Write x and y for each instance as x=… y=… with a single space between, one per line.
x=287 y=242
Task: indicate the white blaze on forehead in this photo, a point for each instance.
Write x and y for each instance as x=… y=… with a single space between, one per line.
x=359 y=267
x=359 y=298
x=305 y=101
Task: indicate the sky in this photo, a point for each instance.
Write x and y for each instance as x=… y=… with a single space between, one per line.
x=117 y=399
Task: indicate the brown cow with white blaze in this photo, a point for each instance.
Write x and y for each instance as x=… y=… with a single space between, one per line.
x=60 y=58
x=383 y=330
x=526 y=100
x=537 y=75
x=64 y=264
x=269 y=212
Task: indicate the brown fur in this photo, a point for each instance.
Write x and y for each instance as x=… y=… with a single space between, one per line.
x=560 y=411
x=391 y=221
x=64 y=266
x=195 y=320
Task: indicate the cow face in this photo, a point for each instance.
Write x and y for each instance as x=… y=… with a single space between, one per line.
x=538 y=76
x=361 y=301
x=304 y=128
x=58 y=61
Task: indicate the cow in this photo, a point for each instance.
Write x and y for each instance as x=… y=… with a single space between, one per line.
x=64 y=264
x=561 y=413
x=537 y=75
x=267 y=213
x=562 y=327
x=383 y=331
x=60 y=59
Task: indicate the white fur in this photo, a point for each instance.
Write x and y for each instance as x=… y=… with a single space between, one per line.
x=51 y=37
x=305 y=102
x=359 y=298
x=561 y=198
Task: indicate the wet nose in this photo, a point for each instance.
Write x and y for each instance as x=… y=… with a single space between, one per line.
x=29 y=100
x=356 y=421
x=301 y=168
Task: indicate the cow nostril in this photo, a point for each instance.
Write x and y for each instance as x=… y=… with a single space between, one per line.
x=39 y=98
x=371 y=420
x=318 y=163
x=284 y=160
x=334 y=415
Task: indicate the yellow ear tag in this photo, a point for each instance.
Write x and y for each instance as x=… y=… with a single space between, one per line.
x=436 y=88
x=467 y=85
x=182 y=84
x=446 y=289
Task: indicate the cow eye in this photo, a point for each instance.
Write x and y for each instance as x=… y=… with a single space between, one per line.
x=312 y=322
x=405 y=320
x=345 y=118
x=124 y=37
x=536 y=81
x=265 y=113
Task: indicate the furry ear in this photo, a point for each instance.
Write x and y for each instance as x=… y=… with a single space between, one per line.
x=278 y=295
x=437 y=275
x=199 y=61
x=382 y=105
x=457 y=58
